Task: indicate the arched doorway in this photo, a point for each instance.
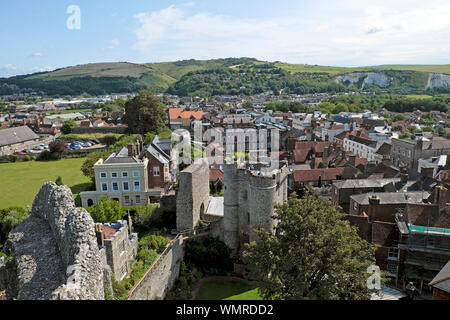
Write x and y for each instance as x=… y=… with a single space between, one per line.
x=202 y=211
x=90 y=202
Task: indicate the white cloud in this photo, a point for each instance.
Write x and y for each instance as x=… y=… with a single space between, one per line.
x=112 y=44
x=10 y=67
x=37 y=54
x=386 y=32
x=42 y=69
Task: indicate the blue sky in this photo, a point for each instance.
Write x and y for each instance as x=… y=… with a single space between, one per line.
x=35 y=37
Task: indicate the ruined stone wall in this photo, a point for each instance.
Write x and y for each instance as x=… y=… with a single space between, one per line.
x=55 y=251
x=193 y=194
x=162 y=275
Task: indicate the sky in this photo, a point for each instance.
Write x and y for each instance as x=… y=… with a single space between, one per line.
x=43 y=35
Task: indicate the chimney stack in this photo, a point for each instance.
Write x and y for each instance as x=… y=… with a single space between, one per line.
x=138 y=146
x=352 y=159
x=404 y=175
x=99 y=234
x=440 y=196
x=374 y=201
x=130 y=150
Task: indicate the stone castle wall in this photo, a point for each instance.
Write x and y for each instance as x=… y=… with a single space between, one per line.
x=162 y=275
x=55 y=251
x=193 y=194
x=248 y=203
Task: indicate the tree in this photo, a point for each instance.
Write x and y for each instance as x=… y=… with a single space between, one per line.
x=58 y=147
x=313 y=254
x=88 y=165
x=247 y=105
x=144 y=113
x=9 y=219
x=68 y=126
x=106 y=211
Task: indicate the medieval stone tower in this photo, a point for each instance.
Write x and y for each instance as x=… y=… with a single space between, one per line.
x=249 y=197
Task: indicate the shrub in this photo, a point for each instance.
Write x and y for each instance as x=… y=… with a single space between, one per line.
x=147 y=256
x=45 y=156
x=27 y=158
x=13 y=158
x=58 y=148
x=153 y=242
x=59 y=181
x=148 y=217
x=106 y=211
x=209 y=255
x=9 y=219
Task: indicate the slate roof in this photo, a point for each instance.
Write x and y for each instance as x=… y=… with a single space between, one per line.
x=121 y=157
x=363 y=183
x=16 y=135
x=442 y=279
x=392 y=197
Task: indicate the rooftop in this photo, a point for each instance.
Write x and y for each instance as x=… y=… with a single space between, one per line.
x=16 y=135
x=392 y=197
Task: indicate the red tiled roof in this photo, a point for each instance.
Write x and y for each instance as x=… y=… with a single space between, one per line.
x=319 y=146
x=337 y=127
x=301 y=155
x=108 y=232
x=326 y=174
x=427 y=214
x=176 y=113
x=383 y=233
x=215 y=174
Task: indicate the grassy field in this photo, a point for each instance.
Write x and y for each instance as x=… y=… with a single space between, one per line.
x=86 y=136
x=21 y=181
x=114 y=69
x=444 y=68
x=227 y=290
x=294 y=68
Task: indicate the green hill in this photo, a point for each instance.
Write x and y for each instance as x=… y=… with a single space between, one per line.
x=226 y=76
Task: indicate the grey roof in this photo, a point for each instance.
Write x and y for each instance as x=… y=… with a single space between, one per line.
x=16 y=135
x=392 y=197
x=363 y=183
x=158 y=154
x=121 y=157
x=387 y=293
x=442 y=279
x=164 y=144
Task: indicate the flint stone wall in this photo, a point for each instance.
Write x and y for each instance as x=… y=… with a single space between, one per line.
x=56 y=255
x=193 y=194
x=161 y=278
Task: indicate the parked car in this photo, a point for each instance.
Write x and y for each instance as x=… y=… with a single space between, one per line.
x=95 y=141
x=19 y=153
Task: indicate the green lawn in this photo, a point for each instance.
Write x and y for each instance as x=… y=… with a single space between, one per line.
x=20 y=181
x=227 y=290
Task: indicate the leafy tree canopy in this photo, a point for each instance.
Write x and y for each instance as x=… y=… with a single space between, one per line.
x=313 y=254
x=144 y=113
x=106 y=211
